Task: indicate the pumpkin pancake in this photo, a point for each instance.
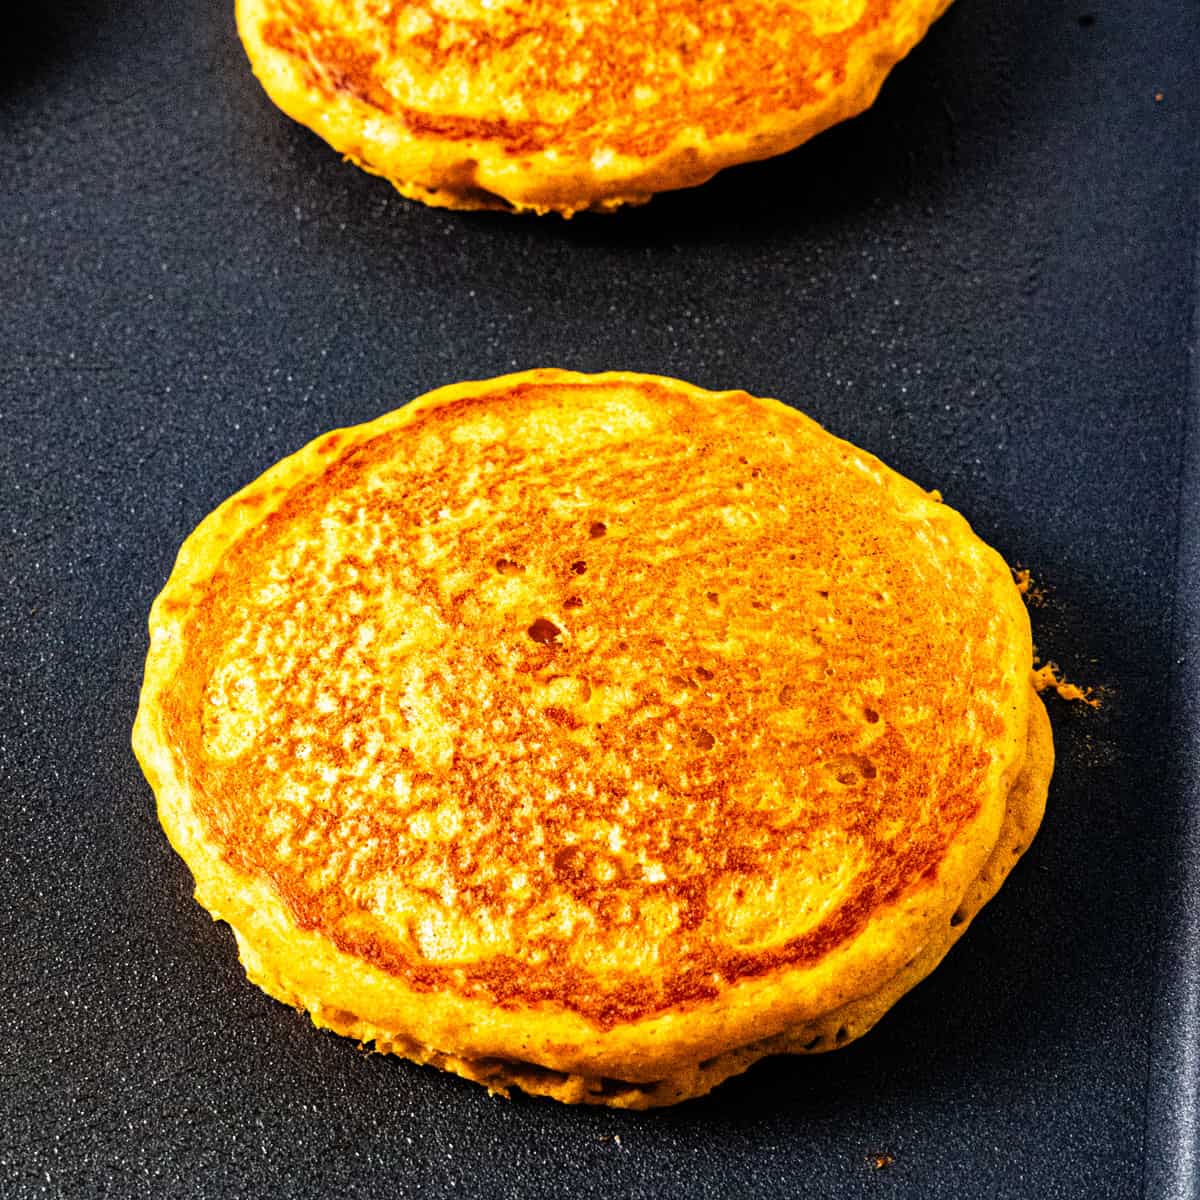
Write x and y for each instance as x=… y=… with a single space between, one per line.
x=530 y=104
x=594 y=735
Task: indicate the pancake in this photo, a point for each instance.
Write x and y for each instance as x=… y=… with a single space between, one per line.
x=592 y=735
x=532 y=105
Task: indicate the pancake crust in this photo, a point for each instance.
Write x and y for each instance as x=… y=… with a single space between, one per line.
x=527 y=104
x=582 y=733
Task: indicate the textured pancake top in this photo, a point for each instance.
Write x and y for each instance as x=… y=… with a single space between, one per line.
x=574 y=86
x=602 y=692
x=584 y=76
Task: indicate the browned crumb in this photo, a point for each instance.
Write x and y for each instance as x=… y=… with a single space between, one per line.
x=880 y=1161
x=1033 y=594
x=1050 y=677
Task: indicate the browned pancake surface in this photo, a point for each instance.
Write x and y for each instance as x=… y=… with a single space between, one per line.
x=602 y=696
x=625 y=77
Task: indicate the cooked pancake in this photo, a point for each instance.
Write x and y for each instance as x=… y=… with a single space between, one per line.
x=529 y=104
x=594 y=735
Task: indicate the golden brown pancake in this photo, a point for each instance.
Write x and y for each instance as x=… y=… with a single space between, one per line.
x=533 y=104
x=594 y=735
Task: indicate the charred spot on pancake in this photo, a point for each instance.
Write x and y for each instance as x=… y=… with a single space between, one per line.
x=544 y=632
x=570 y=863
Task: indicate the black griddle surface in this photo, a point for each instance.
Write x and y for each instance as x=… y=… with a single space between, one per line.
x=988 y=280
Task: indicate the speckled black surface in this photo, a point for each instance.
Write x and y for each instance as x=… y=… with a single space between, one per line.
x=988 y=280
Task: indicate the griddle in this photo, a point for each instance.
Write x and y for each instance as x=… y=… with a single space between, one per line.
x=989 y=280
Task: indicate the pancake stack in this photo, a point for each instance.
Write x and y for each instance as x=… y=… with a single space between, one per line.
x=556 y=107
x=592 y=735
